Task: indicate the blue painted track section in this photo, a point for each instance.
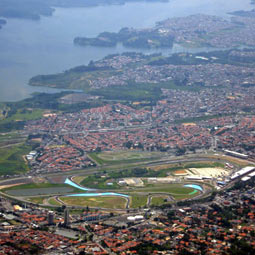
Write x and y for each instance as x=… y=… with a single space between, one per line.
x=97 y=194
x=71 y=183
x=194 y=186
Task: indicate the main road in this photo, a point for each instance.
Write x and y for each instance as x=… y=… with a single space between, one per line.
x=27 y=178
x=92 y=170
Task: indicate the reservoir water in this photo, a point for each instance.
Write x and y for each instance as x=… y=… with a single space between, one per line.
x=28 y=48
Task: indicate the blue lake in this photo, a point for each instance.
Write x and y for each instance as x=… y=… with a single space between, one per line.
x=28 y=48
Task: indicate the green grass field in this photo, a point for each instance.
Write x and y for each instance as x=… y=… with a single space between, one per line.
x=186 y=196
x=36 y=200
x=53 y=201
x=166 y=168
x=138 y=201
x=123 y=157
x=173 y=189
x=96 y=182
x=158 y=200
x=23 y=115
x=6 y=137
x=126 y=155
x=138 y=196
x=103 y=202
x=177 y=191
x=78 y=179
x=16 y=121
x=12 y=161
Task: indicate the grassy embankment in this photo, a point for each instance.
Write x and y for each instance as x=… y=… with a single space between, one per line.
x=138 y=201
x=102 y=202
x=99 y=181
x=53 y=201
x=178 y=192
x=15 y=120
x=122 y=157
x=37 y=200
x=158 y=200
x=12 y=159
x=13 y=146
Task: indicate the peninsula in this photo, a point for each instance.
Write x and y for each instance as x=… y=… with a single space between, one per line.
x=192 y=31
x=116 y=75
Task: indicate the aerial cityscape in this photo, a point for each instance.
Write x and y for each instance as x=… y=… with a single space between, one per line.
x=127 y=135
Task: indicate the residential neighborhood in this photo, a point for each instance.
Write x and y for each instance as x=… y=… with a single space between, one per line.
x=221 y=225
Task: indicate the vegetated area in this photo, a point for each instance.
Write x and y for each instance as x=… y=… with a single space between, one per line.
x=138 y=197
x=174 y=190
x=220 y=57
x=132 y=92
x=138 y=201
x=150 y=92
x=11 y=138
x=13 y=142
x=129 y=38
x=88 y=78
x=158 y=200
x=15 y=114
x=233 y=160
x=170 y=193
x=123 y=157
x=102 y=180
x=102 y=202
x=42 y=193
x=12 y=159
x=37 y=200
x=54 y=202
x=70 y=78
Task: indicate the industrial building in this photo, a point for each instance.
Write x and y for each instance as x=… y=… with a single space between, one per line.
x=244 y=171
